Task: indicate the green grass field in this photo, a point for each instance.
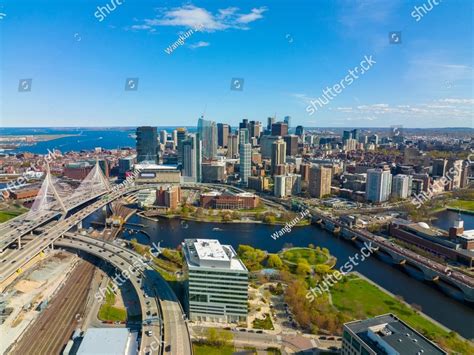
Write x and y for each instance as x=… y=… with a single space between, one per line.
x=6 y=215
x=108 y=312
x=200 y=349
x=462 y=204
x=359 y=299
x=263 y=324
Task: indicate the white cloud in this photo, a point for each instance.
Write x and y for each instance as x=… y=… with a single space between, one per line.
x=191 y=16
x=199 y=44
x=254 y=15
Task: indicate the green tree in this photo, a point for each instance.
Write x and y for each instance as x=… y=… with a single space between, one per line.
x=274 y=261
x=303 y=268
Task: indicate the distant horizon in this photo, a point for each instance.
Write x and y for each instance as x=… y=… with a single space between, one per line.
x=232 y=126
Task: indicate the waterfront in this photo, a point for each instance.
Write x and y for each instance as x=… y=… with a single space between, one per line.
x=449 y=312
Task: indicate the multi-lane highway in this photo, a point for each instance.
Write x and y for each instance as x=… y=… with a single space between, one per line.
x=158 y=301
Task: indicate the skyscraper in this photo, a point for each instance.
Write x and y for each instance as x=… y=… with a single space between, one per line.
x=279 y=129
x=287 y=120
x=245 y=151
x=379 y=185
x=278 y=153
x=223 y=131
x=401 y=186
x=319 y=181
x=192 y=161
x=299 y=131
x=232 y=146
x=270 y=122
x=439 y=167
x=147 y=144
x=163 y=136
x=208 y=133
x=243 y=136
x=291 y=145
x=180 y=136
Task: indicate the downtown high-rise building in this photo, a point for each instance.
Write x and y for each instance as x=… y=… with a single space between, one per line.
x=180 y=137
x=291 y=145
x=147 y=144
x=299 y=131
x=378 y=186
x=244 y=136
x=401 y=186
x=163 y=136
x=270 y=122
x=232 y=146
x=245 y=152
x=255 y=129
x=287 y=120
x=192 y=161
x=208 y=133
x=278 y=154
x=319 y=181
x=279 y=129
x=223 y=131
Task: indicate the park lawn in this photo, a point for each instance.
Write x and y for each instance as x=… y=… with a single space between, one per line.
x=201 y=349
x=263 y=324
x=359 y=299
x=313 y=256
x=462 y=204
x=108 y=312
x=6 y=215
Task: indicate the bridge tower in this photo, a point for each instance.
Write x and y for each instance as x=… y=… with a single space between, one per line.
x=48 y=197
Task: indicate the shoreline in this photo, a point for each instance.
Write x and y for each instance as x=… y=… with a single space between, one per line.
x=397 y=297
x=155 y=218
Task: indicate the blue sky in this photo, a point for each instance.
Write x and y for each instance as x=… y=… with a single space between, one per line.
x=287 y=52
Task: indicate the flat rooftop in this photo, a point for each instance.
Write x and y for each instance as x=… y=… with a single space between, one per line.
x=151 y=166
x=113 y=341
x=210 y=253
x=390 y=332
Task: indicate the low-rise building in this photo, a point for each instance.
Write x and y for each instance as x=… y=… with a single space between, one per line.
x=218 y=200
x=385 y=334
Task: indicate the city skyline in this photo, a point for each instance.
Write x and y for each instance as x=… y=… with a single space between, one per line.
x=287 y=56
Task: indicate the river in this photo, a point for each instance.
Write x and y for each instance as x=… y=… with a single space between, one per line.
x=449 y=312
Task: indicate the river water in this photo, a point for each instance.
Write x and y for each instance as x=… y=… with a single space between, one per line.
x=449 y=312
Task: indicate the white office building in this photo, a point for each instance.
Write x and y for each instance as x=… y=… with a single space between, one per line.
x=379 y=185
x=217 y=282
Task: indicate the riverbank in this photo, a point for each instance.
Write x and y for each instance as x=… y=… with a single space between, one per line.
x=368 y=299
x=220 y=220
x=448 y=311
